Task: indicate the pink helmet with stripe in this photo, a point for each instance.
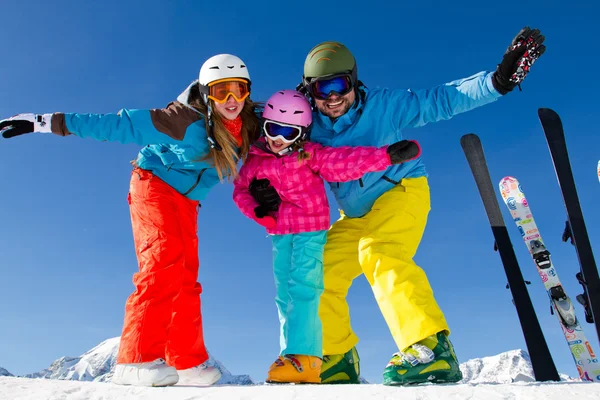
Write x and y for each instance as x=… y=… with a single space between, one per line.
x=288 y=107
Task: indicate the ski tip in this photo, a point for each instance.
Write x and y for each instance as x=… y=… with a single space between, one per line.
x=547 y=113
x=506 y=184
x=469 y=138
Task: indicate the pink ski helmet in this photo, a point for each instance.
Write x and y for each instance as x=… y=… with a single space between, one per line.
x=291 y=113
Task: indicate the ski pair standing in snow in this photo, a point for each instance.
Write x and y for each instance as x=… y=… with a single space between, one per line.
x=299 y=218
x=191 y=145
x=383 y=214
x=581 y=349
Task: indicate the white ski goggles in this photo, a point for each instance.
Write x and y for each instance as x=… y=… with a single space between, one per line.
x=285 y=132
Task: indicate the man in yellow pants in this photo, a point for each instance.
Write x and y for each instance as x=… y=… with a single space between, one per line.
x=384 y=214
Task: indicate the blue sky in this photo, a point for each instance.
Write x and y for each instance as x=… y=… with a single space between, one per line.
x=66 y=251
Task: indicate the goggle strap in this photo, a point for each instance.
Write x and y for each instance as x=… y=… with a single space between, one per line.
x=203 y=89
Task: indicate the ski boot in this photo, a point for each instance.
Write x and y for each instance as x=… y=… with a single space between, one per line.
x=430 y=360
x=153 y=373
x=341 y=368
x=295 y=368
x=200 y=375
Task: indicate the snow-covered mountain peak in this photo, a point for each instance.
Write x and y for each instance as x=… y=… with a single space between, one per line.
x=94 y=365
x=507 y=367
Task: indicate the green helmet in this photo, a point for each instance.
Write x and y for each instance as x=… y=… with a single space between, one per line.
x=329 y=58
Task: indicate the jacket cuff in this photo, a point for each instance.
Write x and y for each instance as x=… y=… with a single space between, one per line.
x=490 y=85
x=59 y=125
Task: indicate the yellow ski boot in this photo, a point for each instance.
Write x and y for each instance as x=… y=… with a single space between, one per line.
x=295 y=368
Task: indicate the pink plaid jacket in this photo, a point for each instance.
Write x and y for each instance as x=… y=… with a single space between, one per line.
x=304 y=206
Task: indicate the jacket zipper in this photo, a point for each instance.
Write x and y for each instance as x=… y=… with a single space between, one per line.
x=197 y=182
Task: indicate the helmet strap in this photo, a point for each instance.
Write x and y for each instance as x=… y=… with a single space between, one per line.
x=211 y=135
x=286 y=150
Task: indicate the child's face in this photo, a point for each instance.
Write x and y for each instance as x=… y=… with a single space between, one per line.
x=277 y=145
x=230 y=109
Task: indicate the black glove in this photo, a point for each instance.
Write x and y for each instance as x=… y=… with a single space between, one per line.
x=261 y=211
x=403 y=151
x=265 y=194
x=25 y=123
x=524 y=50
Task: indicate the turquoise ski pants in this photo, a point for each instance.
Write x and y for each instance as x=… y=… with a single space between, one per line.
x=298 y=270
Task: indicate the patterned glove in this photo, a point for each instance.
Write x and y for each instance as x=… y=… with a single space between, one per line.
x=524 y=50
x=25 y=123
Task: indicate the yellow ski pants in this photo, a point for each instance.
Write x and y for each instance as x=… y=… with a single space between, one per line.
x=381 y=245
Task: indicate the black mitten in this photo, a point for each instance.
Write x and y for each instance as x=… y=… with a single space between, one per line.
x=403 y=151
x=261 y=211
x=265 y=194
x=524 y=50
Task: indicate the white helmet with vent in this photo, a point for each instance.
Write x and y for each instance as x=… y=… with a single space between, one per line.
x=222 y=66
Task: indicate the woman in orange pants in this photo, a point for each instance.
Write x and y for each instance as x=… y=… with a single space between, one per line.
x=190 y=146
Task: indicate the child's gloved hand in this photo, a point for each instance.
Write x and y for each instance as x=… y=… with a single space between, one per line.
x=265 y=194
x=403 y=151
x=263 y=219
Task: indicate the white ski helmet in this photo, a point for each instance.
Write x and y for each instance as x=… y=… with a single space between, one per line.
x=222 y=66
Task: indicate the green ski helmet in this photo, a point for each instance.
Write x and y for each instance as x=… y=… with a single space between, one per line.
x=329 y=58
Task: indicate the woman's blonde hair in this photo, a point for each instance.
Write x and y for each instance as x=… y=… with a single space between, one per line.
x=225 y=161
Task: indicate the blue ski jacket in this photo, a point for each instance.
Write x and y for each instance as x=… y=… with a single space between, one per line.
x=174 y=137
x=378 y=118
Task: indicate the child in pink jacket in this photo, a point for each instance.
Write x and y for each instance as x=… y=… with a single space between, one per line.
x=296 y=169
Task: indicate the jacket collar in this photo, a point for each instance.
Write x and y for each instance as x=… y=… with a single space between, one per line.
x=183 y=97
x=260 y=148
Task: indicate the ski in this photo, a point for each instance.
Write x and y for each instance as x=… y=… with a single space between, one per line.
x=555 y=136
x=518 y=206
x=583 y=298
x=541 y=360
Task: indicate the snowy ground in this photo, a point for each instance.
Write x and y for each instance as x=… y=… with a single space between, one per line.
x=44 y=389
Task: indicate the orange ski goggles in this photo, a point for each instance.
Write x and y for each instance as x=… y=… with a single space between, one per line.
x=219 y=91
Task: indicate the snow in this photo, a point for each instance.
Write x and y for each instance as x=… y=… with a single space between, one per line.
x=44 y=389
x=507 y=375
x=97 y=365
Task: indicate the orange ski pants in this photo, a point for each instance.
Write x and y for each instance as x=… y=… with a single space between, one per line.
x=162 y=316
